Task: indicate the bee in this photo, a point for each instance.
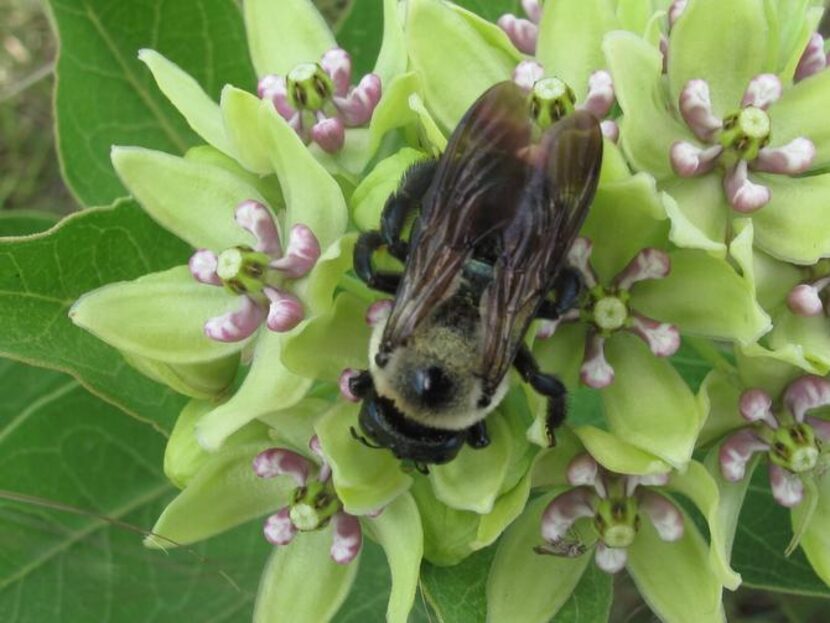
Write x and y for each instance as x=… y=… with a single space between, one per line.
x=490 y=222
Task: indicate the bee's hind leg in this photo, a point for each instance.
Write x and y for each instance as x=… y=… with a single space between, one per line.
x=402 y=204
x=568 y=287
x=547 y=385
x=477 y=436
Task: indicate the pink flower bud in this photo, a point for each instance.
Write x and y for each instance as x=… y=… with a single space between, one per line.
x=280 y=462
x=596 y=372
x=238 y=325
x=646 y=480
x=563 y=511
x=273 y=88
x=676 y=10
x=648 y=264
x=528 y=73
x=688 y=160
x=610 y=559
x=301 y=255
x=787 y=488
x=736 y=451
x=203 y=265
x=820 y=427
x=662 y=338
x=359 y=105
x=812 y=59
x=600 y=95
x=755 y=405
x=804 y=300
x=256 y=219
x=285 y=311
x=378 y=312
x=579 y=257
x=521 y=32
x=338 y=65
x=346 y=538
x=791 y=159
x=329 y=134
x=317 y=448
x=763 y=91
x=743 y=195
x=547 y=328
x=533 y=9
x=696 y=109
x=583 y=470
x=345 y=388
x=806 y=393
x=278 y=528
x=666 y=518
x=610 y=130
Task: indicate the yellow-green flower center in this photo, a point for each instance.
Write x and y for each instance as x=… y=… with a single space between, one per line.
x=617 y=521
x=746 y=132
x=309 y=87
x=242 y=269
x=795 y=448
x=313 y=505
x=610 y=313
x=550 y=100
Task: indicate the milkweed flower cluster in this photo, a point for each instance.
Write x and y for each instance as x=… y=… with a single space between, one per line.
x=709 y=233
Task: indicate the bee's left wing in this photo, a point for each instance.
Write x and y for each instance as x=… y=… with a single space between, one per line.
x=565 y=171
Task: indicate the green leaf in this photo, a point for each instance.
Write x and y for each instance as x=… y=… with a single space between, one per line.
x=25 y=222
x=456 y=593
x=492 y=9
x=80 y=485
x=764 y=531
x=360 y=34
x=106 y=96
x=591 y=600
x=301 y=583
x=42 y=275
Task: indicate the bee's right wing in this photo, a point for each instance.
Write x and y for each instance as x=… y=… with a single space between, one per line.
x=475 y=193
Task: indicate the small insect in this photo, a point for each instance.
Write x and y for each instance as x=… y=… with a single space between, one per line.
x=490 y=226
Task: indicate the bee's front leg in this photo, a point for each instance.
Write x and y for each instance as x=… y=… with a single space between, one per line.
x=403 y=203
x=365 y=248
x=545 y=384
x=477 y=436
x=567 y=288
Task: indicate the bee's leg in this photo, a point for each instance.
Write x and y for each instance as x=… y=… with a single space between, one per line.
x=384 y=281
x=545 y=384
x=401 y=204
x=477 y=436
x=567 y=288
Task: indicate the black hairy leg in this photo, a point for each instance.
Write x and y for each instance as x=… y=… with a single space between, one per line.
x=477 y=436
x=403 y=203
x=384 y=281
x=547 y=385
x=567 y=289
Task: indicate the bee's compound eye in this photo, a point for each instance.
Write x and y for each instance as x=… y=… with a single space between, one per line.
x=381 y=359
x=432 y=385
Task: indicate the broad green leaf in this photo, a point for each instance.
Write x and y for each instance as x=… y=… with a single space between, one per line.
x=591 y=600
x=456 y=593
x=301 y=583
x=360 y=34
x=764 y=531
x=25 y=222
x=492 y=9
x=41 y=277
x=106 y=96
x=88 y=484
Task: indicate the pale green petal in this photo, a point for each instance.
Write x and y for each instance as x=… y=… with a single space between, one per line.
x=240 y=115
x=473 y=479
x=523 y=585
x=449 y=534
x=724 y=43
x=507 y=507
x=392 y=56
x=647 y=128
x=293 y=428
x=432 y=134
x=455 y=62
x=812 y=335
x=193 y=200
x=625 y=217
x=312 y=196
x=634 y=15
x=370 y=196
x=699 y=213
x=398 y=530
x=721 y=393
x=516 y=412
x=649 y=404
x=795 y=225
x=815 y=539
x=341 y=333
x=200 y=111
x=490 y=32
x=562 y=354
x=570 y=38
x=551 y=465
x=283 y=34
x=701 y=488
x=393 y=110
x=703 y=295
x=223 y=494
x=617 y=455
x=159 y=316
x=269 y=387
x=771 y=370
x=301 y=583
x=196 y=380
x=351 y=159
x=317 y=289
x=676 y=579
x=366 y=479
x=799 y=112
x=183 y=456
x=773 y=279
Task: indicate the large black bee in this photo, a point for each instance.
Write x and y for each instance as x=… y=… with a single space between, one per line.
x=491 y=224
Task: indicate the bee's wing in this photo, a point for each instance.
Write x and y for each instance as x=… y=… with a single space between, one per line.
x=473 y=194
x=553 y=206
